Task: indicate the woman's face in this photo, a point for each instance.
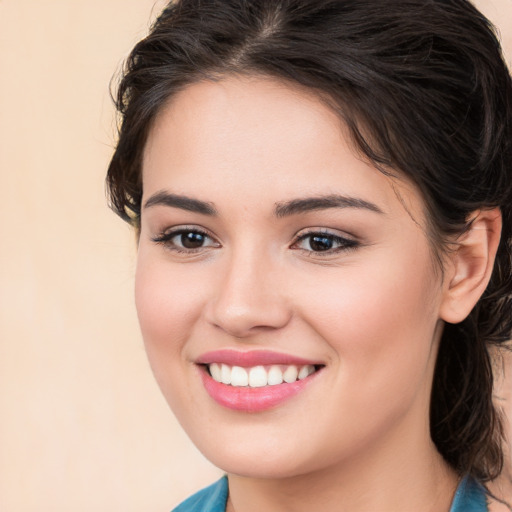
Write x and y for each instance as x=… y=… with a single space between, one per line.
x=269 y=247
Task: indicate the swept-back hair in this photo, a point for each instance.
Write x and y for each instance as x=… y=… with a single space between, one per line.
x=423 y=89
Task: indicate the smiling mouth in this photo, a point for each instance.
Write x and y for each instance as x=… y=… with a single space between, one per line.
x=255 y=380
x=255 y=389
x=259 y=376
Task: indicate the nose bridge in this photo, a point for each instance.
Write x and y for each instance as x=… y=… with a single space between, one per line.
x=249 y=298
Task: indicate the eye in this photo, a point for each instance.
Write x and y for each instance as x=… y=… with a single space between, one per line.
x=324 y=242
x=186 y=240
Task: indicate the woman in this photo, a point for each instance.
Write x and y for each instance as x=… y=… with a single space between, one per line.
x=322 y=194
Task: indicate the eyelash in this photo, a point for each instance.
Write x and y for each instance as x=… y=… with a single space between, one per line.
x=165 y=238
x=344 y=244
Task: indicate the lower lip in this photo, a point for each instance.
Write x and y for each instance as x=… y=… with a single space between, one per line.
x=249 y=399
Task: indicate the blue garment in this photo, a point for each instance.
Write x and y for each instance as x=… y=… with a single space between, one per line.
x=469 y=497
x=211 y=499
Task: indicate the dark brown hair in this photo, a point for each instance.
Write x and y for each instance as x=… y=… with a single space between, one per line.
x=422 y=87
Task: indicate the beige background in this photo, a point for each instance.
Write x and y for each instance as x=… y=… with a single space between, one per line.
x=82 y=425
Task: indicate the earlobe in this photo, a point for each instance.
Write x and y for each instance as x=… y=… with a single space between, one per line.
x=470 y=265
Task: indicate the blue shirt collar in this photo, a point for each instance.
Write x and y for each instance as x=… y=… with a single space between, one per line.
x=469 y=497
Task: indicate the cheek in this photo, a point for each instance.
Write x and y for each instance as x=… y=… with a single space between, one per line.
x=168 y=303
x=359 y=299
x=379 y=321
x=380 y=328
x=157 y=307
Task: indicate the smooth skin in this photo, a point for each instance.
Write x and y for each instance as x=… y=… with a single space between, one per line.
x=369 y=301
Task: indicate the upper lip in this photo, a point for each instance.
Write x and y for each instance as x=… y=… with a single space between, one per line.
x=233 y=357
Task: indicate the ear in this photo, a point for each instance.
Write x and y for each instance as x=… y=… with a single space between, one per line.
x=470 y=266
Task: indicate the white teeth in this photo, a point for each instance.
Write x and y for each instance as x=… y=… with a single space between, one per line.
x=259 y=376
x=225 y=374
x=306 y=371
x=275 y=376
x=216 y=372
x=239 y=376
x=290 y=374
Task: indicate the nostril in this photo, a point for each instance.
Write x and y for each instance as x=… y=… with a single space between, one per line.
x=241 y=322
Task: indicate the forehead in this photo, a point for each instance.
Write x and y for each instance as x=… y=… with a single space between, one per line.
x=253 y=134
x=248 y=112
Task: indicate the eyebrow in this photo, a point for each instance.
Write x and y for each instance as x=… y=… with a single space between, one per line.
x=307 y=204
x=282 y=209
x=163 y=198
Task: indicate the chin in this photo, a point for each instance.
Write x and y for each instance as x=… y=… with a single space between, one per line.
x=263 y=457
x=265 y=468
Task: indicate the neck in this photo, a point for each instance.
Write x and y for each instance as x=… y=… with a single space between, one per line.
x=398 y=475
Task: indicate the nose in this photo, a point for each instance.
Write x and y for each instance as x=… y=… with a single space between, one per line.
x=249 y=297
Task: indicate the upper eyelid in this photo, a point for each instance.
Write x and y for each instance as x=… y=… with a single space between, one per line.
x=325 y=231
x=332 y=235
x=175 y=230
x=347 y=241
x=165 y=239
x=168 y=233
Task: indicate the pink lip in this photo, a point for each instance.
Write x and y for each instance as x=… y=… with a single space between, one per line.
x=248 y=399
x=251 y=358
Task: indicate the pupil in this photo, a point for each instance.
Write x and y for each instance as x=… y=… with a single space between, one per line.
x=321 y=243
x=192 y=240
